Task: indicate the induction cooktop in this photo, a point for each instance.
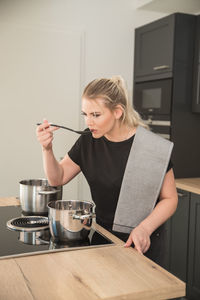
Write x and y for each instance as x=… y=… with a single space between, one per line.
x=19 y=243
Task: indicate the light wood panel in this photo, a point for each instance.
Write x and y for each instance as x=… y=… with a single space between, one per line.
x=109 y=273
x=98 y=273
x=189 y=184
x=9 y=201
x=13 y=284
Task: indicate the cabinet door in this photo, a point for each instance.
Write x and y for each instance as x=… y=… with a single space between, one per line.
x=196 y=87
x=154 y=45
x=193 y=284
x=178 y=237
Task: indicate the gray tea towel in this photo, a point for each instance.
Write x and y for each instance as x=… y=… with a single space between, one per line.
x=145 y=170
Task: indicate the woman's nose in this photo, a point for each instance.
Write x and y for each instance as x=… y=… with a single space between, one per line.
x=89 y=121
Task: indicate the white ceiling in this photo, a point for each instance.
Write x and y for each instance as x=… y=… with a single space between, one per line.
x=169 y=6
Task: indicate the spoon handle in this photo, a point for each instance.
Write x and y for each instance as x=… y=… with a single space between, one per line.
x=70 y=129
x=60 y=126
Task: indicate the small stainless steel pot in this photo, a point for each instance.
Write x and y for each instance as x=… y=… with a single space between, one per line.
x=70 y=220
x=35 y=194
x=35 y=238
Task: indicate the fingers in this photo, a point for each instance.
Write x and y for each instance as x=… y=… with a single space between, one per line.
x=138 y=248
x=143 y=245
x=44 y=134
x=43 y=125
x=128 y=242
x=46 y=125
x=147 y=247
x=136 y=243
x=140 y=239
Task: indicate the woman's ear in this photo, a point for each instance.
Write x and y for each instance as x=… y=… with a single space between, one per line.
x=118 y=111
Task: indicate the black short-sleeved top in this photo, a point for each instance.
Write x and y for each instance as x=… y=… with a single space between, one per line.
x=103 y=164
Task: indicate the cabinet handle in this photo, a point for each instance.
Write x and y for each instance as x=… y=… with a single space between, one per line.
x=198 y=84
x=160 y=67
x=165 y=136
x=158 y=122
x=181 y=195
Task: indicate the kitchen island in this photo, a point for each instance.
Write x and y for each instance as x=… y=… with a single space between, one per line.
x=109 y=272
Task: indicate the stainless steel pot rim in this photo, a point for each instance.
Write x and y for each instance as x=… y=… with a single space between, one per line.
x=74 y=201
x=34 y=181
x=39 y=182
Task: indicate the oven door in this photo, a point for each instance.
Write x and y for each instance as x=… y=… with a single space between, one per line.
x=153 y=97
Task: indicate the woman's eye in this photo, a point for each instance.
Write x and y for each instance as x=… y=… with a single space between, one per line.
x=93 y=115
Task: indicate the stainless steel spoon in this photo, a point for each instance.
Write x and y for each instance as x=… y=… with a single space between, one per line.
x=77 y=131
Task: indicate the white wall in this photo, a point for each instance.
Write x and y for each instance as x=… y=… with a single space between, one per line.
x=46 y=80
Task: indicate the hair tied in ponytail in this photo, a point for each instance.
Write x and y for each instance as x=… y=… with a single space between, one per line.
x=118 y=80
x=114 y=92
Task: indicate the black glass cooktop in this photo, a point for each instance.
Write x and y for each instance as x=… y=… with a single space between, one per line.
x=16 y=243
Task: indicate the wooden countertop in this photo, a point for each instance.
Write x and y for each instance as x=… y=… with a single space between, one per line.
x=189 y=184
x=109 y=272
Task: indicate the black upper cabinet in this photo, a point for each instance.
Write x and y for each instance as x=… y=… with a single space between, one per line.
x=163 y=47
x=154 y=44
x=196 y=86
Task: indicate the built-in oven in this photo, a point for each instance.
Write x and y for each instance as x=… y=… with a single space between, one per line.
x=153 y=100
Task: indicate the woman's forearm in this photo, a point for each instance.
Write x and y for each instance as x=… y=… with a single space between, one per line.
x=163 y=211
x=165 y=208
x=52 y=168
x=140 y=235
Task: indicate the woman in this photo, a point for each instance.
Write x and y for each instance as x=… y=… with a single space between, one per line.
x=102 y=157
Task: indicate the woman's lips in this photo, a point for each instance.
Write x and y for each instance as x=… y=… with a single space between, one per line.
x=93 y=130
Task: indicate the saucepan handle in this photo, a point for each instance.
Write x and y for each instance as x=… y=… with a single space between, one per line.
x=83 y=217
x=48 y=192
x=43 y=242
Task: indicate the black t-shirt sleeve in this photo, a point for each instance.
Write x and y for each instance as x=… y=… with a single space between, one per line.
x=170 y=166
x=75 y=152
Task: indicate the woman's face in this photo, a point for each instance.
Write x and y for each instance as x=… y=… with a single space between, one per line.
x=99 y=119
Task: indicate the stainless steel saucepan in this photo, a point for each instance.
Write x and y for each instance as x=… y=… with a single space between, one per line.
x=70 y=219
x=35 y=194
x=35 y=238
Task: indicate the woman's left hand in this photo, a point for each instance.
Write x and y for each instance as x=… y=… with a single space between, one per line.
x=140 y=238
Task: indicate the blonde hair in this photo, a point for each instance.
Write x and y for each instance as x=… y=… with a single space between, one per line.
x=114 y=92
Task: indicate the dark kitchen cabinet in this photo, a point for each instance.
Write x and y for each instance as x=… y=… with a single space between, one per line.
x=154 y=44
x=193 y=282
x=183 y=245
x=163 y=47
x=163 y=95
x=178 y=226
x=196 y=86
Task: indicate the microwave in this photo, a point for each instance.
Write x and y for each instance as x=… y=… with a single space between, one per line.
x=153 y=98
x=153 y=101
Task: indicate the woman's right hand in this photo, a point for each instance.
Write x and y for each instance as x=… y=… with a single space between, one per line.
x=44 y=133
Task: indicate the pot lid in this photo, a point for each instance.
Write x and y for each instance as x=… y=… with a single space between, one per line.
x=29 y=223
